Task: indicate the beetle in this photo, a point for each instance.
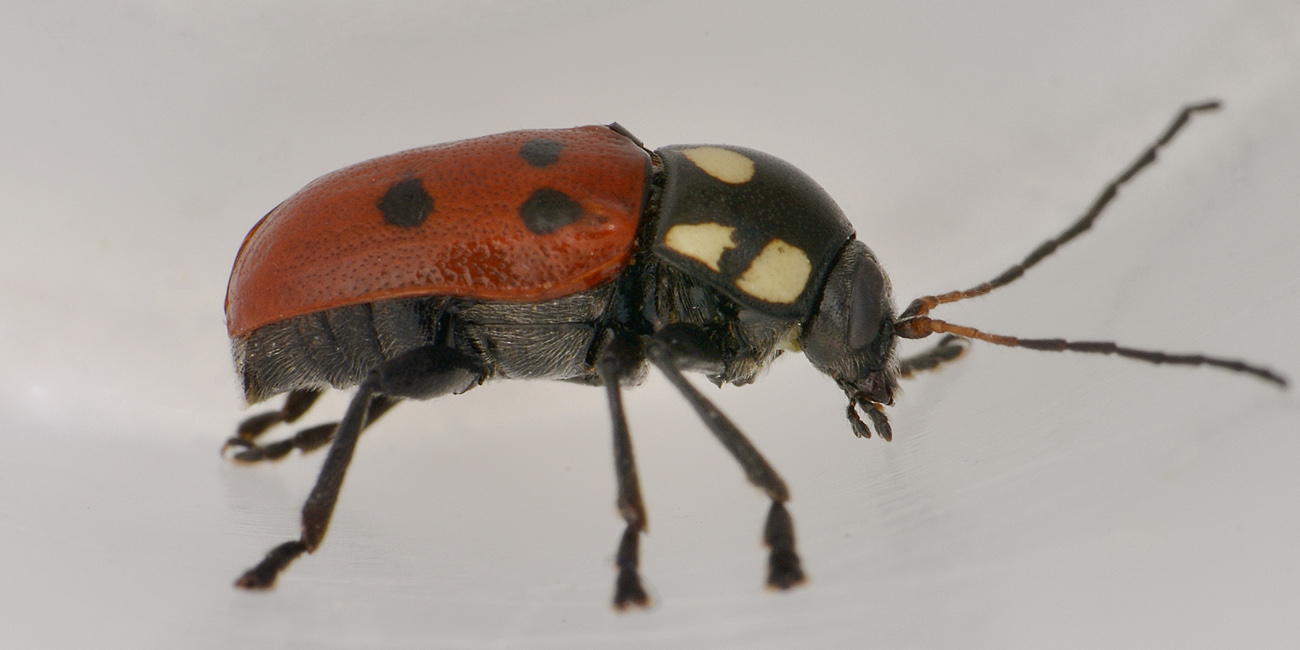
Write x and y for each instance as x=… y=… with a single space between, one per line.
x=581 y=255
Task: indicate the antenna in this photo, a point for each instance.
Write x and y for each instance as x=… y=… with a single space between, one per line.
x=914 y=322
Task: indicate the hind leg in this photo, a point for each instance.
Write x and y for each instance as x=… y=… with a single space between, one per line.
x=305 y=440
x=296 y=403
x=422 y=373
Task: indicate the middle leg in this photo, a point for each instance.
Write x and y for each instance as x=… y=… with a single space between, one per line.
x=621 y=357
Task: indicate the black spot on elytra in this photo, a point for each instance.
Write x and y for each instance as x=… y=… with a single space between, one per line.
x=541 y=152
x=406 y=203
x=548 y=210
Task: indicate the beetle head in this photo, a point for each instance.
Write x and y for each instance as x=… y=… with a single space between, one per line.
x=851 y=336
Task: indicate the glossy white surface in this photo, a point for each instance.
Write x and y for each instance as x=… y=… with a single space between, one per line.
x=1027 y=501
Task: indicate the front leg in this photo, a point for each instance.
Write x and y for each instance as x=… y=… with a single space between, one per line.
x=949 y=348
x=687 y=346
x=946 y=350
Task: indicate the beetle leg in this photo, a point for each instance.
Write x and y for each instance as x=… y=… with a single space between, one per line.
x=620 y=358
x=422 y=373
x=949 y=348
x=307 y=440
x=874 y=411
x=677 y=346
x=295 y=404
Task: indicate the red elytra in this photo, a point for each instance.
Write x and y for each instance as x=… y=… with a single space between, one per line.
x=334 y=244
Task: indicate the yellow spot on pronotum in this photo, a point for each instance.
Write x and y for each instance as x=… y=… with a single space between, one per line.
x=778 y=274
x=723 y=164
x=705 y=242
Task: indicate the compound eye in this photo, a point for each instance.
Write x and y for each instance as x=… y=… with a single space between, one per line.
x=867 y=305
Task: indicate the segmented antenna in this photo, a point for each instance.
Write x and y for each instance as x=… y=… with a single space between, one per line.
x=914 y=323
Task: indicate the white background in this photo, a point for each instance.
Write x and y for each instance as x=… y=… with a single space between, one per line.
x=1028 y=500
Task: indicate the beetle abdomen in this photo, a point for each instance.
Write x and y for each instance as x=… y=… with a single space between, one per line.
x=336 y=347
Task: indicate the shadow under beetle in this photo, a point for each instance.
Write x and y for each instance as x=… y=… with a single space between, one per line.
x=580 y=255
